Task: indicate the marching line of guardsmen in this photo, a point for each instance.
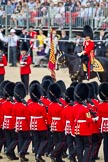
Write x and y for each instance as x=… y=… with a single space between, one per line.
x=55 y=119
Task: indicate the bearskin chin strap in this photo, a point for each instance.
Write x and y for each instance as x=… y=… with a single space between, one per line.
x=104 y=95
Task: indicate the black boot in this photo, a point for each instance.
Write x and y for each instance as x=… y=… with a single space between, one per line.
x=23 y=159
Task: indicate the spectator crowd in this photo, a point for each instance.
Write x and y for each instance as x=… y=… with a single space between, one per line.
x=55 y=13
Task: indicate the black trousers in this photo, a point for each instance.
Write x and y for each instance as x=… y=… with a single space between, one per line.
x=59 y=142
x=105 y=146
x=40 y=141
x=1 y=77
x=25 y=80
x=2 y=139
x=24 y=142
x=84 y=147
x=12 y=141
x=70 y=140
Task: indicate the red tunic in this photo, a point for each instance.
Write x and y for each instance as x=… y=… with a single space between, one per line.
x=1 y=118
x=38 y=116
x=7 y=119
x=21 y=114
x=81 y=120
x=103 y=114
x=25 y=69
x=55 y=117
x=95 y=125
x=89 y=49
x=3 y=62
x=67 y=116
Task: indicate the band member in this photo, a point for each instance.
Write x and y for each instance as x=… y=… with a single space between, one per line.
x=87 y=55
x=3 y=63
x=21 y=115
x=55 y=119
x=103 y=113
x=25 y=61
x=38 y=122
x=9 y=121
x=81 y=121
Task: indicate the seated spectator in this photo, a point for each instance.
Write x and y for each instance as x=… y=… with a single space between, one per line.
x=16 y=13
x=1 y=14
x=40 y=55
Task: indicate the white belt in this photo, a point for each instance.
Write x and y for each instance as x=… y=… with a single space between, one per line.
x=20 y=118
x=56 y=118
x=81 y=121
x=6 y=117
x=104 y=118
x=36 y=117
x=67 y=121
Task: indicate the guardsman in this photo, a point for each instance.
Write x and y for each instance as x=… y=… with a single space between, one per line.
x=3 y=62
x=2 y=134
x=56 y=122
x=9 y=121
x=21 y=115
x=45 y=100
x=38 y=122
x=87 y=55
x=81 y=121
x=103 y=114
x=67 y=113
x=96 y=136
x=25 y=61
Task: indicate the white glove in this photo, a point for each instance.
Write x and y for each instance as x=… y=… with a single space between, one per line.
x=79 y=54
x=96 y=119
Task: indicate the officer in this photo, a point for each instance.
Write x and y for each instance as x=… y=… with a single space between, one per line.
x=9 y=121
x=38 y=122
x=87 y=55
x=21 y=115
x=25 y=61
x=55 y=119
x=103 y=113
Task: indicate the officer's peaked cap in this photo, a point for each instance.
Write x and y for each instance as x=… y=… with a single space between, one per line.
x=103 y=91
x=81 y=92
x=54 y=92
x=35 y=92
x=19 y=91
x=87 y=31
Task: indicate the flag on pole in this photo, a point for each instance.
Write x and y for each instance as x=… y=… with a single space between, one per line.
x=52 y=60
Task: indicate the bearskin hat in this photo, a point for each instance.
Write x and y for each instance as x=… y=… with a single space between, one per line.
x=81 y=92
x=73 y=84
x=19 y=91
x=62 y=85
x=2 y=85
x=8 y=89
x=103 y=91
x=45 y=84
x=54 y=92
x=69 y=95
x=34 y=82
x=24 y=46
x=91 y=90
x=35 y=92
x=87 y=31
x=96 y=87
x=47 y=77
